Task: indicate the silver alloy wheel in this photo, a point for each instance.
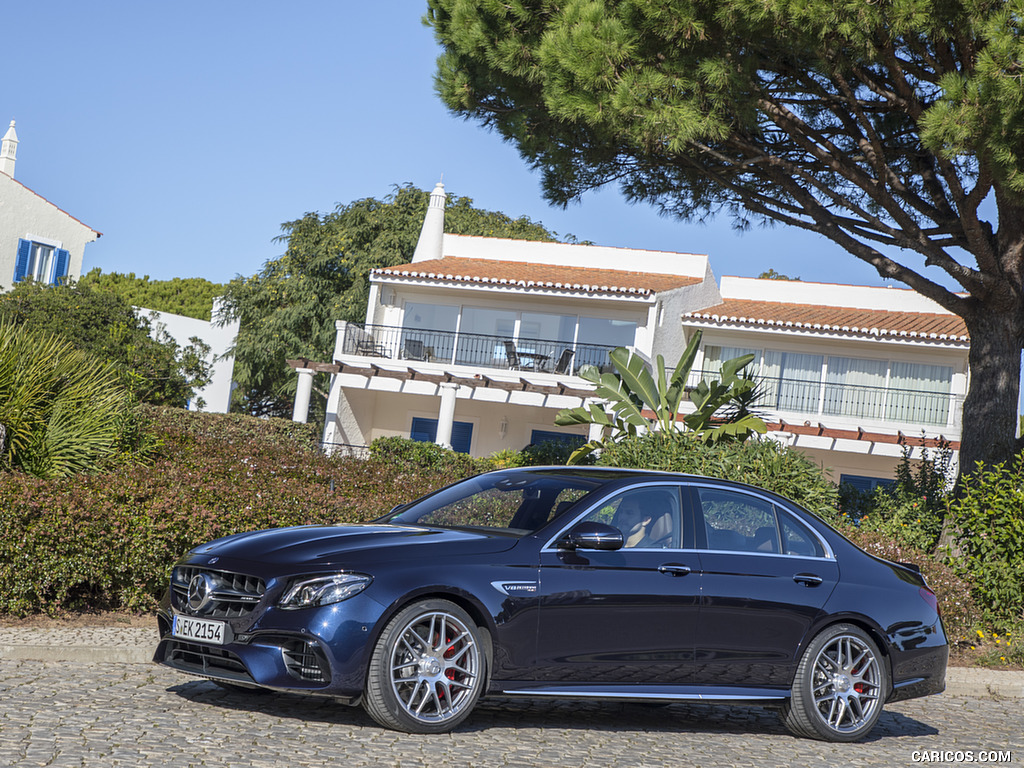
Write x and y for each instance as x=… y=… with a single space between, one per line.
x=435 y=667
x=846 y=683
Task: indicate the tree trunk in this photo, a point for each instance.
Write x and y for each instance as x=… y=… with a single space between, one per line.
x=989 y=433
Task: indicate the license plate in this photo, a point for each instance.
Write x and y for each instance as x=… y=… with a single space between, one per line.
x=200 y=630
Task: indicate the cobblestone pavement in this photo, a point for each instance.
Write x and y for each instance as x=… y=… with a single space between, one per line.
x=110 y=715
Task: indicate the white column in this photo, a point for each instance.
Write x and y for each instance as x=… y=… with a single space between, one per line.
x=596 y=431
x=446 y=415
x=303 y=389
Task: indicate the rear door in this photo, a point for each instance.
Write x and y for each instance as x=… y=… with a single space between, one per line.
x=765 y=578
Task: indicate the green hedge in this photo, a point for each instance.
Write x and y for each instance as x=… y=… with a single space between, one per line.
x=988 y=524
x=107 y=541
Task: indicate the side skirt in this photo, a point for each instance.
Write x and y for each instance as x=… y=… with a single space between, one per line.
x=667 y=693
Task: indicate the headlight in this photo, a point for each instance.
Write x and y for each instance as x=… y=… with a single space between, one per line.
x=324 y=590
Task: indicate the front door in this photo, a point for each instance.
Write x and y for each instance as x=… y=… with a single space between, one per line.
x=626 y=616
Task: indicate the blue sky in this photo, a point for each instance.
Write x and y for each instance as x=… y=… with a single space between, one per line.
x=188 y=132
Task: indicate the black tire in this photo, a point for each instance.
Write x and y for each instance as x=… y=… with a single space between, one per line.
x=841 y=683
x=428 y=669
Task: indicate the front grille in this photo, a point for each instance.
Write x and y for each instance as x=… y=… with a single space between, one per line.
x=233 y=594
x=205 y=660
x=304 y=661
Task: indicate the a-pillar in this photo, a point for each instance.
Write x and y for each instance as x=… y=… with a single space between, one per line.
x=446 y=416
x=303 y=389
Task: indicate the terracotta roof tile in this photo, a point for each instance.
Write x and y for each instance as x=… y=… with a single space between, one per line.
x=528 y=275
x=945 y=327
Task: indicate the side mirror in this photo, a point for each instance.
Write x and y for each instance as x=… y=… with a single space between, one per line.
x=592 y=535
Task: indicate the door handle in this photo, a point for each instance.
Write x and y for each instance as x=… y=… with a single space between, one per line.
x=808 y=579
x=674 y=569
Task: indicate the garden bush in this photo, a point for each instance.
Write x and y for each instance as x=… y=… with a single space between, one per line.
x=987 y=521
x=961 y=612
x=911 y=510
x=764 y=463
x=403 y=452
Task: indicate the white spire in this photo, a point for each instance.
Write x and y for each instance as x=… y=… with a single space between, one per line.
x=429 y=245
x=8 y=151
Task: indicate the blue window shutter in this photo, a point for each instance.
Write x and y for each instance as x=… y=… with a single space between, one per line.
x=21 y=263
x=61 y=263
x=425 y=431
x=462 y=436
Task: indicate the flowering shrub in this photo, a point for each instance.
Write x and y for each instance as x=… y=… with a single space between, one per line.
x=905 y=518
x=960 y=610
x=107 y=541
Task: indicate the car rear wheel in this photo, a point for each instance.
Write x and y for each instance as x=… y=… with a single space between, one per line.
x=427 y=670
x=840 y=686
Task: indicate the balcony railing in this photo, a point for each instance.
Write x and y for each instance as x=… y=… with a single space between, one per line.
x=472 y=349
x=907 y=406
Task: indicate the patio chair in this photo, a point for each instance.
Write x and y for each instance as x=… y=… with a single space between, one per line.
x=512 y=356
x=564 y=364
x=414 y=350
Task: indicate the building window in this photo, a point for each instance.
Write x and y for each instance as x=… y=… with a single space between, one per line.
x=539 y=436
x=41 y=262
x=471 y=335
x=886 y=390
x=864 y=483
x=425 y=431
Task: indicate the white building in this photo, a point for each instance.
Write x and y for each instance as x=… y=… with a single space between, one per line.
x=37 y=239
x=475 y=344
x=851 y=373
x=215 y=396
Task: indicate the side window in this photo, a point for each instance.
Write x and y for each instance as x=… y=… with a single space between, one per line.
x=648 y=517
x=736 y=522
x=797 y=540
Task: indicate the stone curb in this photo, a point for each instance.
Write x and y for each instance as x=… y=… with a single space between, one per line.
x=106 y=645
x=84 y=654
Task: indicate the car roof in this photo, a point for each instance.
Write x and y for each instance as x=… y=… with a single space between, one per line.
x=608 y=474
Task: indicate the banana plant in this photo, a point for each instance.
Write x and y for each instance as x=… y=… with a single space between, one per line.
x=632 y=388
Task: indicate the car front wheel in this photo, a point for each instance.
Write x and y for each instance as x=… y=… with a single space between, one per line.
x=840 y=686
x=427 y=670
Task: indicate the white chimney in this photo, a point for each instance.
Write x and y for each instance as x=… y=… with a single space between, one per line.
x=8 y=151
x=431 y=240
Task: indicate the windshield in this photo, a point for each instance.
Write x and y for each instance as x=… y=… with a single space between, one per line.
x=511 y=501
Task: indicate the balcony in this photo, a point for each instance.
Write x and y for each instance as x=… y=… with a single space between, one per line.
x=880 y=404
x=473 y=349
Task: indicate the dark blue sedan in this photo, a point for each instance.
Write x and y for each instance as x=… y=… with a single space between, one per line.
x=563 y=582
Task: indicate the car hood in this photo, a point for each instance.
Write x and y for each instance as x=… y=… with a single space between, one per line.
x=350 y=544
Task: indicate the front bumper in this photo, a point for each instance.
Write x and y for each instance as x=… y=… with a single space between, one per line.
x=319 y=651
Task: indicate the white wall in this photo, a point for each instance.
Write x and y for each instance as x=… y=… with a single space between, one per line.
x=217 y=393
x=23 y=213
x=890 y=299
x=571 y=255
x=364 y=415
